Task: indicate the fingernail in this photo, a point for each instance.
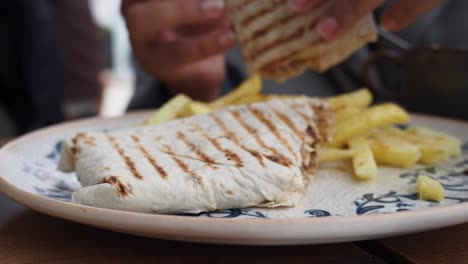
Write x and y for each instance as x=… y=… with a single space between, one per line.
x=227 y=38
x=212 y=6
x=327 y=27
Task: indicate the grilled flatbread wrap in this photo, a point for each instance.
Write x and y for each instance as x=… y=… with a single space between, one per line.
x=262 y=154
x=279 y=44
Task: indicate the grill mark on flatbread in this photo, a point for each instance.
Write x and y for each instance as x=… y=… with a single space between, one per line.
x=128 y=161
x=150 y=158
x=312 y=133
x=227 y=153
x=90 y=143
x=88 y=140
x=272 y=127
x=135 y=139
x=261 y=32
x=252 y=131
x=254 y=54
x=276 y=157
x=246 y=22
x=185 y=167
x=74 y=150
x=310 y=164
x=225 y=130
x=322 y=120
x=287 y=121
x=200 y=154
x=326 y=122
x=233 y=136
x=230 y=155
x=180 y=163
x=278 y=61
x=122 y=189
x=303 y=116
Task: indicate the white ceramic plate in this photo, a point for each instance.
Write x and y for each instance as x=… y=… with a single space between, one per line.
x=336 y=208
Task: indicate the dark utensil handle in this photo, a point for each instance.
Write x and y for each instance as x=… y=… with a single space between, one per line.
x=390 y=55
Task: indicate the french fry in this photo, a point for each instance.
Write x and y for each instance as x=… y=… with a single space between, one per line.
x=332 y=154
x=393 y=152
x=430 y=189
x=252 y=86
x=364 y=164
x=346 y=113
x=376 y=116
x=430 y=150
x=194 y=108
x=169 y=110
x=452 y=143
x=359 y=99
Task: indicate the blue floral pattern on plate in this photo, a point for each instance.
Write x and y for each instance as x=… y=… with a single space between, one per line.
x=453 y=176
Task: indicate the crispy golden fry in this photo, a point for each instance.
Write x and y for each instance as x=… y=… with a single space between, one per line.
x=252 y=86
x=430 y=189
x=430 y=150
x=390 y=151
x=364 y=163
x=332 y=154
x=452 y=143
x=169 y=110
x=359 y=99
x=376 y=116
x=346 y=113
x=194 y=108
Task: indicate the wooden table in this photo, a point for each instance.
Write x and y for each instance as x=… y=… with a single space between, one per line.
x=27 y=236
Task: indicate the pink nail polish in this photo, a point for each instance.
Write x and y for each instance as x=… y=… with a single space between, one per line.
x=327 y=27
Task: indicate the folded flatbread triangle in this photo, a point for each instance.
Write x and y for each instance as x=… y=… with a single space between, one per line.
x=279 y=44
x=262 y=154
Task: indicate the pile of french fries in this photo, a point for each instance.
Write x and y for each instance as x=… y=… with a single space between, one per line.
x=182 y=106
x=369 y=136
x=366 y=135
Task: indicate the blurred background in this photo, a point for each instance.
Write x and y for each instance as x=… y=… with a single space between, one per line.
x=62 y=60
x=69 y=59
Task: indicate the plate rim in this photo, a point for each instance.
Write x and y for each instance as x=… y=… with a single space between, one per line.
x=410 y=221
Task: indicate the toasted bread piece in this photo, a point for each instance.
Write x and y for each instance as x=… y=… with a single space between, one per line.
x=279 y=44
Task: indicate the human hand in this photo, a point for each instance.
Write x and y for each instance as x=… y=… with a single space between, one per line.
x=344 y=14
x=181 y=42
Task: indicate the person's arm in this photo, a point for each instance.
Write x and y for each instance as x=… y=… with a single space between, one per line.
x=181 y=43
x=344 y=14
